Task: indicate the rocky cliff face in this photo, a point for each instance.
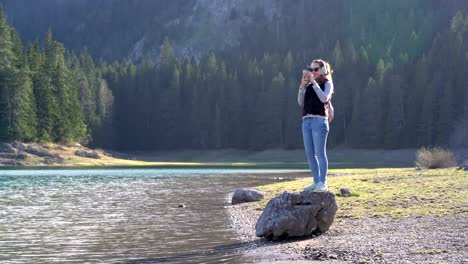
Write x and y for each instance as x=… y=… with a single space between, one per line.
x=136 y=28
x=209 y=25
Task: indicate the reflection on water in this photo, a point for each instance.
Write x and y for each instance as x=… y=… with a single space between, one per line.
x=120 y=215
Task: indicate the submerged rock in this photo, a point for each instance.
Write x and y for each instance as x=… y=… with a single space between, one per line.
x=297 y=215
x=245 y=195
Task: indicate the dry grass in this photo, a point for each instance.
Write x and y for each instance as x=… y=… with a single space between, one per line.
x=434 y=158
x=72 y=160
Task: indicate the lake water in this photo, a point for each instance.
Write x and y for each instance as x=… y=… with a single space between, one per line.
x=122 y=215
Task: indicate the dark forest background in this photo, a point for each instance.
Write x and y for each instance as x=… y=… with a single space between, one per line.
x=400 y=73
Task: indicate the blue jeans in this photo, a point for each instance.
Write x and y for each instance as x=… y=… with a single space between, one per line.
x=315 y=132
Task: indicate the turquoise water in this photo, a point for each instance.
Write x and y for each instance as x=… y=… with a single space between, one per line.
x=122 y=215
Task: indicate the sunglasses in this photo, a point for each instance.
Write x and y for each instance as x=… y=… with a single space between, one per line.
x=313 y=69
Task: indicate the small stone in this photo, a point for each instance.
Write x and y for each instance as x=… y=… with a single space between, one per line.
x=418 y=169
x=181 y=205
x=46 y=146
x=22 y=156
x=345 y=192
x=246 y=195
x=60 y=148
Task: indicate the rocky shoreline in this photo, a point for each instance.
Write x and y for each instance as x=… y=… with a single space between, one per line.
x=38 y=154
x=414 y=239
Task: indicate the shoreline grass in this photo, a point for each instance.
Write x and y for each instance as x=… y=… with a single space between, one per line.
x=389 y=192
x=70 y=161
x=272 y=158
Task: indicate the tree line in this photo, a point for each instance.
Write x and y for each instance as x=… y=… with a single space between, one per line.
x=389 y=94
x=47 y=94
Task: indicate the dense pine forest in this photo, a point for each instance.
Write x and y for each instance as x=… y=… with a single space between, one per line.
x=399 y=73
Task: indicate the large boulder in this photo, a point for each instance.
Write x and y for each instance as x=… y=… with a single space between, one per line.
x=9 y=162
x=86 y=154
x=8 y=155
x=7 y=148
x=246 y=195
x=54 y=159
x=297 y=215
x=21 y=156
x=35 y=149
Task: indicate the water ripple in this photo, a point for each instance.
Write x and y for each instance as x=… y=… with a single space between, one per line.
x=120 y=216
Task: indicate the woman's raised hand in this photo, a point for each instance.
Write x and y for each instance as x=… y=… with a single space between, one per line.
x=305 y=80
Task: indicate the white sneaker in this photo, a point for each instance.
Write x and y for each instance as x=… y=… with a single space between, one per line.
x=311 y=187
x=321 y=187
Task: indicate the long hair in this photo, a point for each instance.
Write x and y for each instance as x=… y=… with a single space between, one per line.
x=321 y=62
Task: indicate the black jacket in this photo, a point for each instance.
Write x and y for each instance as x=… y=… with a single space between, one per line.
x=312 y=104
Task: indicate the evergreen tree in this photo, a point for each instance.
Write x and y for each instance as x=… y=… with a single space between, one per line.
x=396 y=118
x=24 y=107
x=337 y=55
x=7 y=77
x=386 y=91
x=371 y=115
x=166 y=58
x=428 y=117
x=446 y=115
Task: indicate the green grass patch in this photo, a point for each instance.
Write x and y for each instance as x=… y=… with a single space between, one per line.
x=390 y=192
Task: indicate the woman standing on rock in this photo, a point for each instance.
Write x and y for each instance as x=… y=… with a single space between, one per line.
x=314 y=96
